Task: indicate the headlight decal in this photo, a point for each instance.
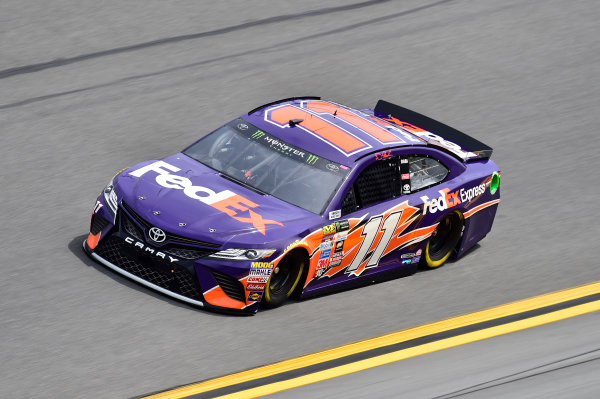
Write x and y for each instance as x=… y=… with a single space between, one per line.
x=243 y=254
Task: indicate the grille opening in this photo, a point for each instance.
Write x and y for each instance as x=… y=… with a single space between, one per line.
x=130 y=227
x=155 y=271
x=232 y=287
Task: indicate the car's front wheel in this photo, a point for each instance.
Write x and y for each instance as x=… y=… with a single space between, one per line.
x=284 y=279
x=443 y=241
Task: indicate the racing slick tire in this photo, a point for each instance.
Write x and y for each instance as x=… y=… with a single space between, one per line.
x=443 y=241
x=284 y=279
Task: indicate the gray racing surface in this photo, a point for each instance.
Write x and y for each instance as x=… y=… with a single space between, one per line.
x=88 y=88
x=500 y=367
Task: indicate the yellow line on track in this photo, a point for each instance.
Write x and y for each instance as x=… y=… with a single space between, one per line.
x=412 y=352
x=396 y=337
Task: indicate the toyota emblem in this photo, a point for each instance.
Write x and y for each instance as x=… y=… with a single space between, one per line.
x=156 y=234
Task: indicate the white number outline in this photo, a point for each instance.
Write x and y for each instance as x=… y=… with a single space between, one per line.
x=369 y=232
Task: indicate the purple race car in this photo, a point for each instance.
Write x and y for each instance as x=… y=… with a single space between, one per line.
x=297 y=197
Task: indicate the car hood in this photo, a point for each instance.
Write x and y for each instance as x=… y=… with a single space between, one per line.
x=184 y=197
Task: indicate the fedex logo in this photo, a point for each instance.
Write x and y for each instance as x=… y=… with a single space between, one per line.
x=449 y=199
x=225 y=201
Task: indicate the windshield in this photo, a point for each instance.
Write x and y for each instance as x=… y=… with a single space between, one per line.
x=253 y=157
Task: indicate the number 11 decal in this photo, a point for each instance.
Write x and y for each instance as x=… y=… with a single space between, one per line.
x=369 y=234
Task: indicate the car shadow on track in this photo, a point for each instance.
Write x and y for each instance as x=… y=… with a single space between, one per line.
x=76 y=247
x=405 y=272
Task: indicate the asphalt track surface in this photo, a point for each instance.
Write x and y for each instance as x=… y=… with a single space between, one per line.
x=89 y=87
x=569 y=370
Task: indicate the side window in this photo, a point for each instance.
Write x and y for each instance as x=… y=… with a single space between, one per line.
x=425 y=171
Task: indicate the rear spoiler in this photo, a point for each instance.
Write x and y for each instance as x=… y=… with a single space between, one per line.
x=435 y=133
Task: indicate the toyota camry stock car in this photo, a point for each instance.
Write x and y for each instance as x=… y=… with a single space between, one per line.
x=297 y=197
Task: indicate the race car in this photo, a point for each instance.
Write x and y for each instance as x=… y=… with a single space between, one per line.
x=295 y=198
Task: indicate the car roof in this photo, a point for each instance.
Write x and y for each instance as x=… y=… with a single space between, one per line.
x=330 y=130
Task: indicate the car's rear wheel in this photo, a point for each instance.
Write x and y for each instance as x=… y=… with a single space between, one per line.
x=443 y=241
x=284 y=279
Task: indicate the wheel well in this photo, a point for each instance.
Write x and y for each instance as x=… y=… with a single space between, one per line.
x=300 y=254
x=462 y=229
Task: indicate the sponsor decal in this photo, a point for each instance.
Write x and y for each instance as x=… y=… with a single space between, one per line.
x=255 y=287
x=416 y=259
x=419 y=252
x=449 y=199
x=150 y=250
x=259 y=272
x=322 y=264
x=225 y=201
x=405 y=176
x=312 y=159
x=291 y=246
x=258 y=134
x=340 y=236
x=406 y=188
x=326 y=264
x=335 y=214
x=337 y=256
x=406 y=261
x=329 y=229
x=257 y=279
x=332 y=167
x=283 y=147
x=254 y=296
x=327 y=244
x=261 y=265
x=407 y=255
x=336 y=227
x=471 y=193
x=242 y=126
x=325 y=254
x=403 y=161
x=339 y=246
x=383 y=155
x=342 y=225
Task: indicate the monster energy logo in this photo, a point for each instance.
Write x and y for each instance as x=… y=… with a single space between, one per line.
x=258 y=134
x=312 y=159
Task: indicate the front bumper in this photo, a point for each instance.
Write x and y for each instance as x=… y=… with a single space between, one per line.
x=139 y=280
x=173 y=270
